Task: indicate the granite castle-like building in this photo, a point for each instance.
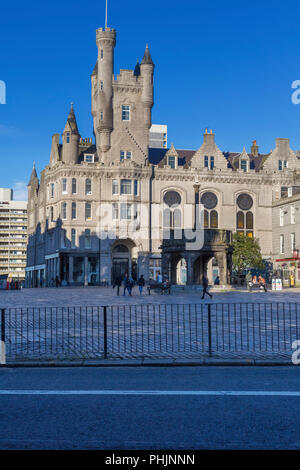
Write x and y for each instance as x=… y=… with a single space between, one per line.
x=116 y=205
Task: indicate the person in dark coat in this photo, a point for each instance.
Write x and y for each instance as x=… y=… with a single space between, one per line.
x=118 y=283
x=205 y=287
x=141 y=284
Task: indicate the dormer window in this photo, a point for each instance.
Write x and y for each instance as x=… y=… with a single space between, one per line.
x=88 y=158
x=125 y=155
x=172 y=161
x=244 y=165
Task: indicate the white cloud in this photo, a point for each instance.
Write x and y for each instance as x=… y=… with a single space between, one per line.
x=20 y=191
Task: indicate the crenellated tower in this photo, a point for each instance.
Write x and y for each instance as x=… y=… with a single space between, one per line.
x=102 y=89
x=147 y=71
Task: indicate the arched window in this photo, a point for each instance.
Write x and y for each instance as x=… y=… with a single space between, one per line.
x=206 y=219
x=64 y=210
x=88 y=210
x=213 y=219
x=177 y=218
x=210 y=201
x=244 y=217
x=240 y=222
x=88 y=186
x=167 y=218
x=74 y=211
x=74 y=186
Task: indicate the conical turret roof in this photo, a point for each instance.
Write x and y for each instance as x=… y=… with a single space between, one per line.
x=72 y=121
x=147 y=59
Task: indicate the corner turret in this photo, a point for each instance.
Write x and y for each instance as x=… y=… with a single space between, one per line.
x=70 y=139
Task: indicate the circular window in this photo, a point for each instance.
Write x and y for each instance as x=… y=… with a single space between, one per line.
x=172 y=198
x=209 y=200
x=244 y=202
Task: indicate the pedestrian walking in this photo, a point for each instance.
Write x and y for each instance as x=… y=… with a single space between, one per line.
x=141 y=284
x=205 y=287
x=127 y=284
x=117 y=284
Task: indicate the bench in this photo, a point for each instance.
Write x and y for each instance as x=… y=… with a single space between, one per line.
x=159 y=287
x=251 y=286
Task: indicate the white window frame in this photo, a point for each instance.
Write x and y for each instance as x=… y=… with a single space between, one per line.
x=281 y=217
x=293 y=242
x=174 y=161
x=88 y=208
x=281 y=244
x=121 y=188
x=243 y=160
x=293 y=215
x=64 y=210
x=115 y=211
x=125 y=112
x=87 y=239
x=74 y=205
x=89 y=158
x=115 y=187
x=64 y=186
x=88 y=192
x=126 y=211
x=74 y=180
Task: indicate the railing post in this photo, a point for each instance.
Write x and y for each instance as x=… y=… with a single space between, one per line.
x=105 y=330
x=3 y=352
x=209 y=330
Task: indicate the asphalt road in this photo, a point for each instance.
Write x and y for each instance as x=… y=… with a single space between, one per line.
x=150 y=408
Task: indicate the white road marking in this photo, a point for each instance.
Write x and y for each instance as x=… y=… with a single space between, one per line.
x=155 y=392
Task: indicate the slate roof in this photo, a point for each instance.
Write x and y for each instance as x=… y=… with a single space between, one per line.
x=156 y=155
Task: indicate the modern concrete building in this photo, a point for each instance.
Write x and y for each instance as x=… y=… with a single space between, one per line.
x=158 y=136
x=114 y=205
x=13 y=236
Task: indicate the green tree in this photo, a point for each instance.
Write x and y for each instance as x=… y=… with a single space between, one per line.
x=246 y=253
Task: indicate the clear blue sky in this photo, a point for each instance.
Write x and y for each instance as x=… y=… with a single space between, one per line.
x=225 y=65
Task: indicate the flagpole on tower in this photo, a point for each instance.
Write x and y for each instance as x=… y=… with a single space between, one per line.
x=106 y=14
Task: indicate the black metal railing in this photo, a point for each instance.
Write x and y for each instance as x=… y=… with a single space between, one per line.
x=250 y=330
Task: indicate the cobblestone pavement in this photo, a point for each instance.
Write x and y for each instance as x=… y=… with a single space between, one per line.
x=68 y=324
x=98 y=296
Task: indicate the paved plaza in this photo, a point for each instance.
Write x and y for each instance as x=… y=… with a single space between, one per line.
x=100 y=296
x=69 y=324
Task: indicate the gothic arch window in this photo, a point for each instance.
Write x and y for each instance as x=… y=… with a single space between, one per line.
x=213 y=219
x=172 y=216
x=244 y=216
x=210 y=201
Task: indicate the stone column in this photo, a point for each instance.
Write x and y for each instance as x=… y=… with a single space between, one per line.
x=71 y=269
x=222 y=263
x=86 y=266
x=189 y=269
x=58 y=267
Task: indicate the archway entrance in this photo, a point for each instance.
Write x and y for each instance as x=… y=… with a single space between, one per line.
x=120 y=261
x=124 y=259
x=178 y=270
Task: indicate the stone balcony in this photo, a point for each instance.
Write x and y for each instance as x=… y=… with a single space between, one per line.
x=176 y=240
